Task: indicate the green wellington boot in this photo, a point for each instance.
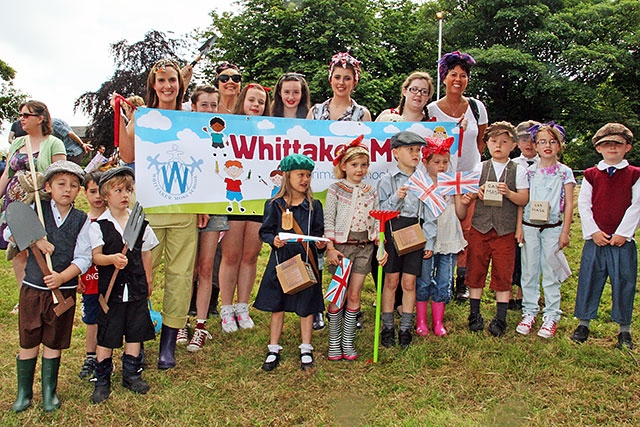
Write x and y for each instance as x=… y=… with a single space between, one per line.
x=26 y=370
x=50 y=369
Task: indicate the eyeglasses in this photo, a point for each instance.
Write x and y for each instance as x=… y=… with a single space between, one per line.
x=416 y=90
x=27 y=115
x=544 y=142
x=236 y=78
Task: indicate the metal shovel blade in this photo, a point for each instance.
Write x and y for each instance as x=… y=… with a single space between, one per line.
x=25 y=226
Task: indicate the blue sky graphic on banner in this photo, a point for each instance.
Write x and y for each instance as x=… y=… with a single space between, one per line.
x=228 y=164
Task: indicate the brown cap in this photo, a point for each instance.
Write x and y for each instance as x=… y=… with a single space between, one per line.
x=613 y=132
x=498 y=128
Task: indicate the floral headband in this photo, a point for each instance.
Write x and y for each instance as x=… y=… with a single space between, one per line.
x=161 y=65
x=451 y=59
x=354 y=147
x=344 y=59
x=252 y=85
x=437 y=146
x=533 y=130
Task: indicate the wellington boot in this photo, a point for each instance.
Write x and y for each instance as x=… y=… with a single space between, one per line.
x=26 y=370
x=50 y=367
x=102 y=384
x=167 y=354
x=437 y=314
x=421 y=319
x=132 y=375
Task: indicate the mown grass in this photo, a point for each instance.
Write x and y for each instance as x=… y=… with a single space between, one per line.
x=462 y=379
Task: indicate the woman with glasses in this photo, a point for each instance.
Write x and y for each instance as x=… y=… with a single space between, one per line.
x=291 y=97
x=471 y=114
x=176 y=232
x=47 y=149
x=416 y=92
x=228 y=81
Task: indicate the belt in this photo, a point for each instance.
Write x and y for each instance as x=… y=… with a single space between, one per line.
x=357 y=242
x=543 y=226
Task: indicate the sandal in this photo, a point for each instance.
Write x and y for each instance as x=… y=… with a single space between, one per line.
x=270 y=366
x=304 y=366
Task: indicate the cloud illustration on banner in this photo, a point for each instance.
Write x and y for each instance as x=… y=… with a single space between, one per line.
x=265 y=124
x=349 y=128
x=154 y=120
x=421 y=130
x=187 y=135
x=391 y=129
x=298 y=132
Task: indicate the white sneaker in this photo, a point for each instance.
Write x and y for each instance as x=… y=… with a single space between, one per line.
x=242 y=316
x=183 y=335
x=228 y=319
x=548 y=329
x=525 y=325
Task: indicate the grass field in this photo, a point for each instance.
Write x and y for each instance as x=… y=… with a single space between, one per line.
x=462 y=379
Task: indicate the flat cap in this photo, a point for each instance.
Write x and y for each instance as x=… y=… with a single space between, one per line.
x=613 y=132
x=296 y=161
x=111 y=173
x=63 y=166
x=406 y=138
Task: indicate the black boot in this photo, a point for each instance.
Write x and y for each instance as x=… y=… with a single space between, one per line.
x=102 y=384
x=167 y=353
x=26 y=370
x=462 y=292
x=132 y=375
x=50 y=367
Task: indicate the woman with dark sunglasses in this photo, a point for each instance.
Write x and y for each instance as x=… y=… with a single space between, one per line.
x=228 y=81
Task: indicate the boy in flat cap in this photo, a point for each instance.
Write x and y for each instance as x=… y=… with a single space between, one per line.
x=609 y=205
x=394 y=195
x=493 y=226
x=68 y=244
x=128 y=314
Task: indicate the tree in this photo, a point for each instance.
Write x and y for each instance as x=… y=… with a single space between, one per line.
x=10 y=97
x=132 y=63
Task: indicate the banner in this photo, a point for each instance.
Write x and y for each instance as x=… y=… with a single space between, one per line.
x=228 y=164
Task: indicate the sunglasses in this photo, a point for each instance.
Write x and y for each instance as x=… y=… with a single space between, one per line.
x=236 y=78
x=27 y=115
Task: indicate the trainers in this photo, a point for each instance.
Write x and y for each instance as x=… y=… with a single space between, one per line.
x=404 y=337
x=548 y=329
x=242 y=316
x=200 y=335
x=88 y=368
x=624 y=340
x=388 y=337
x=318 y=321
x=525 y=325
x=476 y=322
x=228 y=319
x=497 y=327
x=183 y=335
x=580 y=334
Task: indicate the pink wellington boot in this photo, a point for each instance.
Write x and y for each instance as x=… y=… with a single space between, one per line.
x=421 y=319
x=437 y=313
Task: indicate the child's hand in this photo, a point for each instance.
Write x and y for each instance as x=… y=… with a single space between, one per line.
x=563 y=241
x=203 y=220
x=467 y=198
x=382 y=261
x=601 y=238
x=333 y=256
x=519 y=235
x=428 y=254
x=278 y=243
x=321 y=245
x=618 y=240
x=53 y=280
x=503 y=189
x=119 y=261
x=82 y=287
x=402 y=192
x=481 y=192
x=45 y=246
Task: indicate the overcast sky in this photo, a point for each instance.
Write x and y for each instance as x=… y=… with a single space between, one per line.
x=60 y=48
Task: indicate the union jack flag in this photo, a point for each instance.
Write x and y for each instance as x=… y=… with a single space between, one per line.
x=423 y=187
x=450 y=183
x=338 y=287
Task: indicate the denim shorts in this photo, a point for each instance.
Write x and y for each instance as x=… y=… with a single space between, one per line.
x=216 y=223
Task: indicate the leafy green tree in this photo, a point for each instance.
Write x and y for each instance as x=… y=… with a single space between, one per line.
x=10 y=96
x=132 y=63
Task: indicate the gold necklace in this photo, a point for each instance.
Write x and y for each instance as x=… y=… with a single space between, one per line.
x=454 y=112
x=225 y=107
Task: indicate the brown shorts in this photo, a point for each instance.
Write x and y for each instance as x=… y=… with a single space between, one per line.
x=38 y=324
x=360 y=253
x=489 y=247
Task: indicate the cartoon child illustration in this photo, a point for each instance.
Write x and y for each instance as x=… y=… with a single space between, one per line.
x=217 y=125
x=440 y=132
x=276 y=178
x=234 y=169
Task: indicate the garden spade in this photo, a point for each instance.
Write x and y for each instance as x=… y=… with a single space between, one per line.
x=129 y=235
x=26 y=230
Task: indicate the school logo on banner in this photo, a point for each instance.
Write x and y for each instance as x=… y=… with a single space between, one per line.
x=172 y=176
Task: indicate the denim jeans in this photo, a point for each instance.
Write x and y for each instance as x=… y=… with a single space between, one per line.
x=435 y=281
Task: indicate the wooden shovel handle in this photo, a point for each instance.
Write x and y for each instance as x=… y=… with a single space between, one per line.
x=105 y=300
x=57 y=295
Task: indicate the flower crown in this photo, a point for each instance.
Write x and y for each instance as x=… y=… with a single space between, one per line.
x=344 y=59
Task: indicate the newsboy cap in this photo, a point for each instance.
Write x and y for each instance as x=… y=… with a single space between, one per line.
x=613 y=132
x=406 y=138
